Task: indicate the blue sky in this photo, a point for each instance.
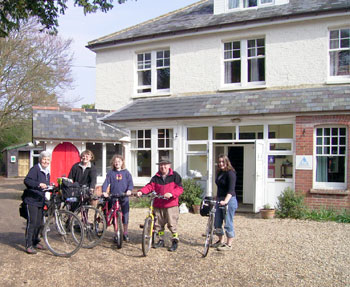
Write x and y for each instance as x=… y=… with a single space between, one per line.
x=83 y=29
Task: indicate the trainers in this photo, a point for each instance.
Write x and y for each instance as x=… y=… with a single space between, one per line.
x=173 y=246
x=217 y=244
x=126 y=238
x=160 y=243
x=39 y=246
x=31 y=250
x=225 y=247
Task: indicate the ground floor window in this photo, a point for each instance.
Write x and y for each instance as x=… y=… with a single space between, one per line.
x=330 y=155
x=96 y=149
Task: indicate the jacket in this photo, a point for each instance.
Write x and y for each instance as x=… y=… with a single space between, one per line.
x=172 y=183
x=87 y=177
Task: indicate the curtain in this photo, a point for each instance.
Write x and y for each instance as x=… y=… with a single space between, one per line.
x=233 y=4
x=321 y=169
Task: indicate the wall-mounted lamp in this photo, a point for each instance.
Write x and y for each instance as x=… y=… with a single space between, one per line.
x=236 y=120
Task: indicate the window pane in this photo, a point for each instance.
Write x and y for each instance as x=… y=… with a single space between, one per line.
x=330 y=169
x=224 y=133
x=233 y=72
x=197 y=166
x=197 y=133
x=281 y=131
x=143 y=163
x=111 y=150
x=163 y=79
x=97 y=151
x=256 y=70
x=280 y=146
x=251 y=132
x=197 y=147
x=280 y=166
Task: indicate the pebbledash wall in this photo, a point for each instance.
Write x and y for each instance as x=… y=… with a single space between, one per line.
x=319 y=198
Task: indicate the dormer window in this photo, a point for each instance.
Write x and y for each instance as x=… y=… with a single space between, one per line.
x=234 y=4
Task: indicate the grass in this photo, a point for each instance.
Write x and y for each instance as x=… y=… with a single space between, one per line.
x=140 y=202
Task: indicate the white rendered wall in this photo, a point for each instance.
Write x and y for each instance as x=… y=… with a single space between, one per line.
x=296 y=56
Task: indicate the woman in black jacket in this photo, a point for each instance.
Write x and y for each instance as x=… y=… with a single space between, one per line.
x=37 y=179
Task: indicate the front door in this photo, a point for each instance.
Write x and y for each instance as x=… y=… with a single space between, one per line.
x=23 y=163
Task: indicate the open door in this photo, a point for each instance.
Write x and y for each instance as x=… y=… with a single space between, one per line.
x=259 y=175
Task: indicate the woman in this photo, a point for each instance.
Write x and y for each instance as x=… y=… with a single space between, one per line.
x=119 y=180
x=37 y=179
x=226 y=195
x=84 y=172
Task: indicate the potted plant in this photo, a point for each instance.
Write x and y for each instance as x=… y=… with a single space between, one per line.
x=192 y=191
x=196 y=205
x=267 y=212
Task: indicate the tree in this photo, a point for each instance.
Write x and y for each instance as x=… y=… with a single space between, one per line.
x=14 y=13
x=35 y=69
x=88 y=106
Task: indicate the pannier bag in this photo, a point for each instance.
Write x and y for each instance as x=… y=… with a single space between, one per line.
x=70 y=189
x=205 y=206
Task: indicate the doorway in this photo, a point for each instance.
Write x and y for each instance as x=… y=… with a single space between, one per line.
x=236 y=157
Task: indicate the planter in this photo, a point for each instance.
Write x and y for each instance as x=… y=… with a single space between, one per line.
x=267 y=213
x=196 y=209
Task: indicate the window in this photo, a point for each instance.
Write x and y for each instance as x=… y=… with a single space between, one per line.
x=141 y=153
x=96 y=149
x=331 y=156
x=153 y=71
x=165 y=143
x=244 y=62
x=232 y=4
x=111 y=150
x=339 y=52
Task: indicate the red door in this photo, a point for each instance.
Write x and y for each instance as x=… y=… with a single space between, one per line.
x=63 y=157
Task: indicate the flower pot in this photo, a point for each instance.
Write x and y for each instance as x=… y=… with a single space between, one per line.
x=196 y=208
x=267 y=213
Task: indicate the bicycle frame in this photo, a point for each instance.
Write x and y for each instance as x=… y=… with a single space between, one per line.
x=112 y=213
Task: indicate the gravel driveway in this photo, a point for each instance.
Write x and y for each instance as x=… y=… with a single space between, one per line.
x=265 y=253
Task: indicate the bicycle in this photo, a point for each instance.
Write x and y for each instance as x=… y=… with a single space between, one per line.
x=92 y=218
x=63 y=231
x=148 y=232
x=113 y=215
x=210 y=225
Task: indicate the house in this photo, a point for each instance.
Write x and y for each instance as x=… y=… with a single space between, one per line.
x=65 y=133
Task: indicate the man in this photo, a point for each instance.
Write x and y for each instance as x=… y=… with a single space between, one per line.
x=166 y=182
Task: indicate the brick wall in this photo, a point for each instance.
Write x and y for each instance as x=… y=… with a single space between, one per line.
x=305 y=125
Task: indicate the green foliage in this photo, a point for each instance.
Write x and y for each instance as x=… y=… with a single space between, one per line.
x=328 y=214
x=13 y=13
x=192 y=192
x=343 y=216
x=290 y=204
x=88 y=106
x=267 y=206
x=197 y=201
x=141 y=202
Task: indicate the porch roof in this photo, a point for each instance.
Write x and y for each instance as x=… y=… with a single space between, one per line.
x=52 y=123
x=200 y=17
x=247 y=103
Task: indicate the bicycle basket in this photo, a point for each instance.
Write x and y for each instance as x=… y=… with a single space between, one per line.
x=205 y=206
x=70 y=189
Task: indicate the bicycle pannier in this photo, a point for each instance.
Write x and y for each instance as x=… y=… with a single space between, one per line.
x=70 y=189
x=205 y=206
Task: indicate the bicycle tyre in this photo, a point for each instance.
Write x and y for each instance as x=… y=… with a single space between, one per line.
x=147 y=238
x=209 y=235
x=94 y=224
x=63 y=235
x=119 y=233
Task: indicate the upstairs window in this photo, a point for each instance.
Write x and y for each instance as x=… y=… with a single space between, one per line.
x=153 y=72
x=233 y=4
x=339 y=52
x=244 y=62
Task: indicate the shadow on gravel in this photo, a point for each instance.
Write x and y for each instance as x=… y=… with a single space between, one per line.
x=11 y=195
x=18 y=186
x=13 y=239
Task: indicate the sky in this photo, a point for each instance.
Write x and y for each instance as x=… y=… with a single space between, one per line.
x=82 y=29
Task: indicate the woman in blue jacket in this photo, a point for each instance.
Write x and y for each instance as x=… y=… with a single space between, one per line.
x=37 y=179
x=119 y=181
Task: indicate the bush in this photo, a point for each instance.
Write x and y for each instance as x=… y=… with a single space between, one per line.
x=290 y=204
x=140 y=202
x=192 y=191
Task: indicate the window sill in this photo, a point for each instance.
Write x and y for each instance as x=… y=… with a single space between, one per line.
x=330 y=191
x=335 y=81
x=240 y=88
x=150 y=95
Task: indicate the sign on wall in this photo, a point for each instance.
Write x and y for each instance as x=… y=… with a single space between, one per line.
x=303 y=162
x=13 y=158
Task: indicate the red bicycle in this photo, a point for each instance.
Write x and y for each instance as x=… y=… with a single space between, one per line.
x=113 y=215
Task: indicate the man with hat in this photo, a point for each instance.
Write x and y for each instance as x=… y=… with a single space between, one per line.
x=166 y=182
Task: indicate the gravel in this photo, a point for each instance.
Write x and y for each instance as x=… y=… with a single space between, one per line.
x=276 y=252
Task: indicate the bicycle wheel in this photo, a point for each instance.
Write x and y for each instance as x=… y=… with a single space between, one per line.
x=94 y=225
x=119 y=231
x=147 y=236
x=63 y=233
x=209 y=235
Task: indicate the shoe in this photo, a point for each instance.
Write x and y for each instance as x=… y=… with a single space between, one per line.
x=31 y=250
x=217 y=244
x=39 y=246
x=225 y=247
x=160 y=243
x=173 y=246
x=126 y=238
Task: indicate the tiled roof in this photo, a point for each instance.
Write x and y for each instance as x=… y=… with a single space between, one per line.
x=247 y=103
x=199 y=17
x=72 y=124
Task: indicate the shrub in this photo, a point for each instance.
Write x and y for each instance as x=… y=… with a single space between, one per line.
x=192 y=191
x=290 y=204
x=140 y=202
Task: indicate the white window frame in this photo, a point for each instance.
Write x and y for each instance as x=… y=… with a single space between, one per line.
x=338 y=49
x=330 y=185
x=134 y=150
x=169 y=148
x=243 y=3
x=244 y=64
x=152 y=66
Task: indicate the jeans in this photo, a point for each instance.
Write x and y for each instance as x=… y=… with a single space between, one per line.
x=219 y=218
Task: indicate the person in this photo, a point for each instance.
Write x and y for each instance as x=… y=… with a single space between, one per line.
x=119 y=181
x=37 y=179
x=226 y=196
x=84 y=172
x=168 y=183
